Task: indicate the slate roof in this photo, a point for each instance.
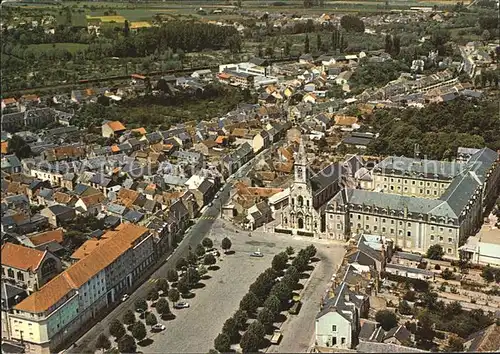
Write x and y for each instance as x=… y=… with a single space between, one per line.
x=205 y=186
x=361 y=258
x=339 y=304
x=59 y=209
x=353 y=140
x=374 y=347
x=133 y=216
x=327 y=176
x=367 y=329
x=398 y=332
x=409 y=256
x=404 y=269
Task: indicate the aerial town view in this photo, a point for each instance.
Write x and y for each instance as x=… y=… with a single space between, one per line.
x=250 y=176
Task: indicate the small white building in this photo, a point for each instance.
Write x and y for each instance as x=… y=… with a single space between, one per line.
x=483 y=248
x=337 y=323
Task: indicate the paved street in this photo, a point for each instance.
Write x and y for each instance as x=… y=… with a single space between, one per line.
x=192 y=238
x=195 y=328
x=298 y=330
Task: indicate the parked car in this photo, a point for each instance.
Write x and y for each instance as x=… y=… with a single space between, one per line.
x=181 y=305
x=295 y=308
x=158 y=327
x=256 y=254
x=276 y=336
x=125 y=297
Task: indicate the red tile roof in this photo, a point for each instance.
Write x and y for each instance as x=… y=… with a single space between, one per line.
x=82 y=271
x=21 y=257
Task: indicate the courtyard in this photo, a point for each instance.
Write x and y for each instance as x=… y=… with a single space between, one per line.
x=194 y=329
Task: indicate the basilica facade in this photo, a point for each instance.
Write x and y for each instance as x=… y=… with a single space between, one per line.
x=305 y=213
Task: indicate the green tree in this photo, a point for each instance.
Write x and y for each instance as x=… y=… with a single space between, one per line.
x=192 y=258
x=273 y=303
x=151 y=319
x=226 y=244
x=141 y=305
x=102 y=342
x=116 y=329
x=306 y=44
x=310 y=251
x=241 y=318
x=286 y=49
x=172 y=275
x=153 y=295
x=162 y=285
x=181 y=264
x=200 y=251
x=352 y=24
x=455 y=344
x=290 y=251
x=293 y=273
x=249 y=303
x=183 y=286
x=282 y=292
x=318 y=42
x=126 y=28
x=447 y=274
x=162 y=307
x=300 y=262
x=126 y=344
x=488 y=274
x=250 y=342
x=230 y=328
x=388 y=43
x=192 y=276
x=173 y=295
x=266 y=317
x=429 y=299
x=139 y=330
x=435 y=252
x=19 y=147
x=222 y=343
x=207 y=243
x=404 y=308
x=129 y=317
x=209 y=260
x=258 y=329
x=425 y=332
x=279 y=261
x=387 y=319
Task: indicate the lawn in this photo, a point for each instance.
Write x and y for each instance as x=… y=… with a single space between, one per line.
x=72 y=47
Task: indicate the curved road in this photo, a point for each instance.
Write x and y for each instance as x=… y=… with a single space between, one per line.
x=192 y=238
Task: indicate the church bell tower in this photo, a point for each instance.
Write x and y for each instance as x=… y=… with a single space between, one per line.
x=300 y=165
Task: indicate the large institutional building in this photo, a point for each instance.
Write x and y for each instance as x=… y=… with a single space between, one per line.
x=413 y=202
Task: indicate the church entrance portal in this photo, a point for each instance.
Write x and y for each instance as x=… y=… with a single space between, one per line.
x=300 y=223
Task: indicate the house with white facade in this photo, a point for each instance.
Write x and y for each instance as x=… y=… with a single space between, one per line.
x=337 y=323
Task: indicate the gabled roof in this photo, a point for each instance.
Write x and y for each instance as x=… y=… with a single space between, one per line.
x=116 y=126
x=20 y=257
x=48 y=236
x=398 y=332
x=82 y=271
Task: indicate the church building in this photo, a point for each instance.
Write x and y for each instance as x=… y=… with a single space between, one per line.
x=305 y=213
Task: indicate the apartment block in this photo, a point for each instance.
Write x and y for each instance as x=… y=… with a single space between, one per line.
x=46 y=318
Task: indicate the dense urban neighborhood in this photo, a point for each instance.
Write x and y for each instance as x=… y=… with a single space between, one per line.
x=248 y=176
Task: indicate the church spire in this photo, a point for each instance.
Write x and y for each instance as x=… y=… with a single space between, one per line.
x=301 y=168
x=301 y=154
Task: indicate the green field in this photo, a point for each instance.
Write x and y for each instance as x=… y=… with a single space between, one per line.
x=72 y=47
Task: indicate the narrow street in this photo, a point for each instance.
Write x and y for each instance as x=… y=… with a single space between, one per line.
x=192 y=238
